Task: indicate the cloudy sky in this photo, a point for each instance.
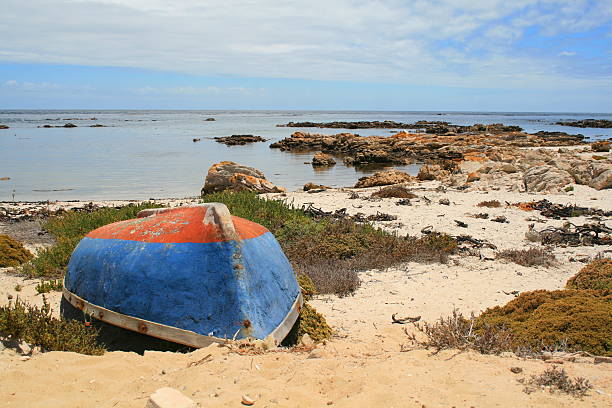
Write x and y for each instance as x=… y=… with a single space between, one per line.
x=487 y=55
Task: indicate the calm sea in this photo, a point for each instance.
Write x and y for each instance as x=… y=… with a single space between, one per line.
x=150 y=154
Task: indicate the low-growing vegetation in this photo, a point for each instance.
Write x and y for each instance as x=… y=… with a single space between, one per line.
x=331 y=251
x=581 y=319
x=394 y=192
x=489 y=204
x=37 y=327
x=529 y=257
x=458 y=332
x=12 y=253
x=596 y=275
x=556 y=380
x=69 y=229
x=49 y=286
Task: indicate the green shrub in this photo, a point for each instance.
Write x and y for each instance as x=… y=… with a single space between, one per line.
x=581 y=319
x=309 y=322
x=12 y=253
x=596 y=275
x=38 y=327
x=69 y=229
x=48 y=286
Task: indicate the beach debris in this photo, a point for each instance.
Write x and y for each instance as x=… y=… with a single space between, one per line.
x=482 y=216
x=473 y=242
x=404 y=320
x=501 y=219
x=461 y=224
x=341 y=213
x=574 y=235
x=558 y=211
x=489 y=204
x=246 y=400
x=444 y=201
x=167 y=397
x=353 y=195
x=404 y=201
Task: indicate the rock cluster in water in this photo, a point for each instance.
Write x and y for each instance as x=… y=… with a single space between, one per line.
x=239 y=140
x=588 y=123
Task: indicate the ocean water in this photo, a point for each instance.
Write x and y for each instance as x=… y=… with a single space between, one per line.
x=150 y=154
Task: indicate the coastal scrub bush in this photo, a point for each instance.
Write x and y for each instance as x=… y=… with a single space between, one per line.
x=458 y=332
x=306 y=286
x=12 y=253
x=309 y=322
x=529 y=257
x=394 y=192
x=558 y=380
x=595 y=275
x=331 y=251
x=49 y=286
x=68 y=229
x=581 y=319
x=36 y=326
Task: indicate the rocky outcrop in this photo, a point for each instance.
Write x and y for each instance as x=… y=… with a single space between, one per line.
x=239 y=140
x=323 y=160
x=403 y=147
x=601 y=147
x=228 y=175
x=4 y=127
x=588 y=123
x=384 y=178
x=602 y=181
x=432 y=172
x=546 y=179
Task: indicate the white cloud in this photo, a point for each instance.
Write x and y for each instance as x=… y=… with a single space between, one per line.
x=30 y=86
x=446 y=42
x=567 y=54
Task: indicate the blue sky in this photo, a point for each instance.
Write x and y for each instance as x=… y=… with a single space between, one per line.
x=489 y=55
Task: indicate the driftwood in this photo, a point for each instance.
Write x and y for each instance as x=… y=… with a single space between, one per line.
x=404 y=320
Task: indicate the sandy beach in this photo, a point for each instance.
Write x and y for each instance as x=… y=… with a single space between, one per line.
x=369 y=361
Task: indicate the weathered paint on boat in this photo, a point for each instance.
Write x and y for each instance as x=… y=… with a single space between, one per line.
x=189 y=274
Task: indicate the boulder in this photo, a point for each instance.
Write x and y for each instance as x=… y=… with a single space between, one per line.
x=167 y=397
x=601 y=146
x=384 y=178
x=323 y=159
x=432 y=172
x=312 y=186
x=3 y=127
x=603 y=181
x=546 y=178
x=228 y=175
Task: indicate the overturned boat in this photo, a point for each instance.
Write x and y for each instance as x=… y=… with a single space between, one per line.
x=190 y=275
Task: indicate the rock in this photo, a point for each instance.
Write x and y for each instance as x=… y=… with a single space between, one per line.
x=546 y=178
x=4 y=178
x=246 y=400
x=239 y=140
x=169 y=398
x=444 y=201
x=209 y=120
x=69 y=125
x=313 y=186
x=306 y=341
x=3 y=127
x=318 y=353
x=24 y=348
x=473 y=177
x=196 y=139
x=228 y=175
x=487 y=254
x=601 y=146
x=508 y=168
x=323 y=159
x=432 y=172
x=603 y=181
x=384 y=178
x=24 y=358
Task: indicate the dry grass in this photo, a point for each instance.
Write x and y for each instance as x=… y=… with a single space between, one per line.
x=557 y=380
x=394 y=192
x=529 y=257
x=458 y=332
x=490 y=204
